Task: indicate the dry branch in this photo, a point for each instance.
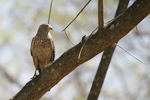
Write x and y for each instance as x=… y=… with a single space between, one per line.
x=95 y=44
x=77 y=15
x=105 y=61
x=100 y=14
x=85 y=42
x=50 y=11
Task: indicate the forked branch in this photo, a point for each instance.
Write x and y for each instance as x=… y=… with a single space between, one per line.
x=95 y=44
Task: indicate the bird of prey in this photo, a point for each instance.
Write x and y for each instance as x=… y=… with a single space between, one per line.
x=42 y=48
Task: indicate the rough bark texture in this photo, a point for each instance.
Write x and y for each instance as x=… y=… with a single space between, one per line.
x=105 y=61
x=95 y=44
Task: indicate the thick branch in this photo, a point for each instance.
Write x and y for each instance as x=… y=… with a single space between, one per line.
x=105 y=61
x=95 y=44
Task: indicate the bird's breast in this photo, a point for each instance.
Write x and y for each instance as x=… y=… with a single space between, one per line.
x=42 y=45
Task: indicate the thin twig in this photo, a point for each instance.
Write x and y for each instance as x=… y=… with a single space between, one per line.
x=81 y=50
x=68 y=37
x=77 y=15
x=85 y=42
x=129 y=53
x=94 y=30
x=112 y=20
x=50 y=11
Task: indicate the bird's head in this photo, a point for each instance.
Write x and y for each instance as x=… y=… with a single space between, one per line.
x=45 y=27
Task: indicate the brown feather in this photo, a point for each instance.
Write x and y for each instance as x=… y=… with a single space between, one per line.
x=42 y=48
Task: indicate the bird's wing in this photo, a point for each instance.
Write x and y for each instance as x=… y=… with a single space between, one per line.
x=52 y=50
x=32 y=46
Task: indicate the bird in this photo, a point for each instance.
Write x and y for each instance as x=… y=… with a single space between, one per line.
x=42 y=48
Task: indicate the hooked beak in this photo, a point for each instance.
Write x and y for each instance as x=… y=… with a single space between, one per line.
x=50 y=28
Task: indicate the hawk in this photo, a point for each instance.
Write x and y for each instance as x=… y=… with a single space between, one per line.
x=42 y=48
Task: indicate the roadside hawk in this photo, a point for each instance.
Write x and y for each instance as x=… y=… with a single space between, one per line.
x=42 y=48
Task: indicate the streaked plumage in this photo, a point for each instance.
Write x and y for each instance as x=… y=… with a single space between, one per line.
x=42 y=48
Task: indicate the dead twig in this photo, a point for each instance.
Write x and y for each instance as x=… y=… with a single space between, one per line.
x=129 y=53
x=83 y=38
x=73 y=20
x=111 y=20
x=50 y=11
x=68 y=37
x=77 y=15
x=100 y=14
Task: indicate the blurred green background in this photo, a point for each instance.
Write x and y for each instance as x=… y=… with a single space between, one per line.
x=126 y=79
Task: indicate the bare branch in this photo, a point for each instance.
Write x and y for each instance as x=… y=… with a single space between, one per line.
x=129 y=53
x=100 y=14
x=9 y=77
x=105 y=61
x=68 y=37
x=50 y=11
x=77 y=15
x=85 y=42
x=95 y=44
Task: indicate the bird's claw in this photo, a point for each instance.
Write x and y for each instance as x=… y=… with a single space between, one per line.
x=33 y=77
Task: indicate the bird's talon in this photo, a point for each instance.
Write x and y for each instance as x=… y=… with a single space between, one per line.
x=33 y=77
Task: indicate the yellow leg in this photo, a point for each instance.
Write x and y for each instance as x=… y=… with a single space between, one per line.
x=34 y=74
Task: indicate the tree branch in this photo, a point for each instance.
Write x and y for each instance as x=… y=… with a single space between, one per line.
x=95 y=44
x=100 y=14
x=76 y=16
x=105 y=61
x=9 y=77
